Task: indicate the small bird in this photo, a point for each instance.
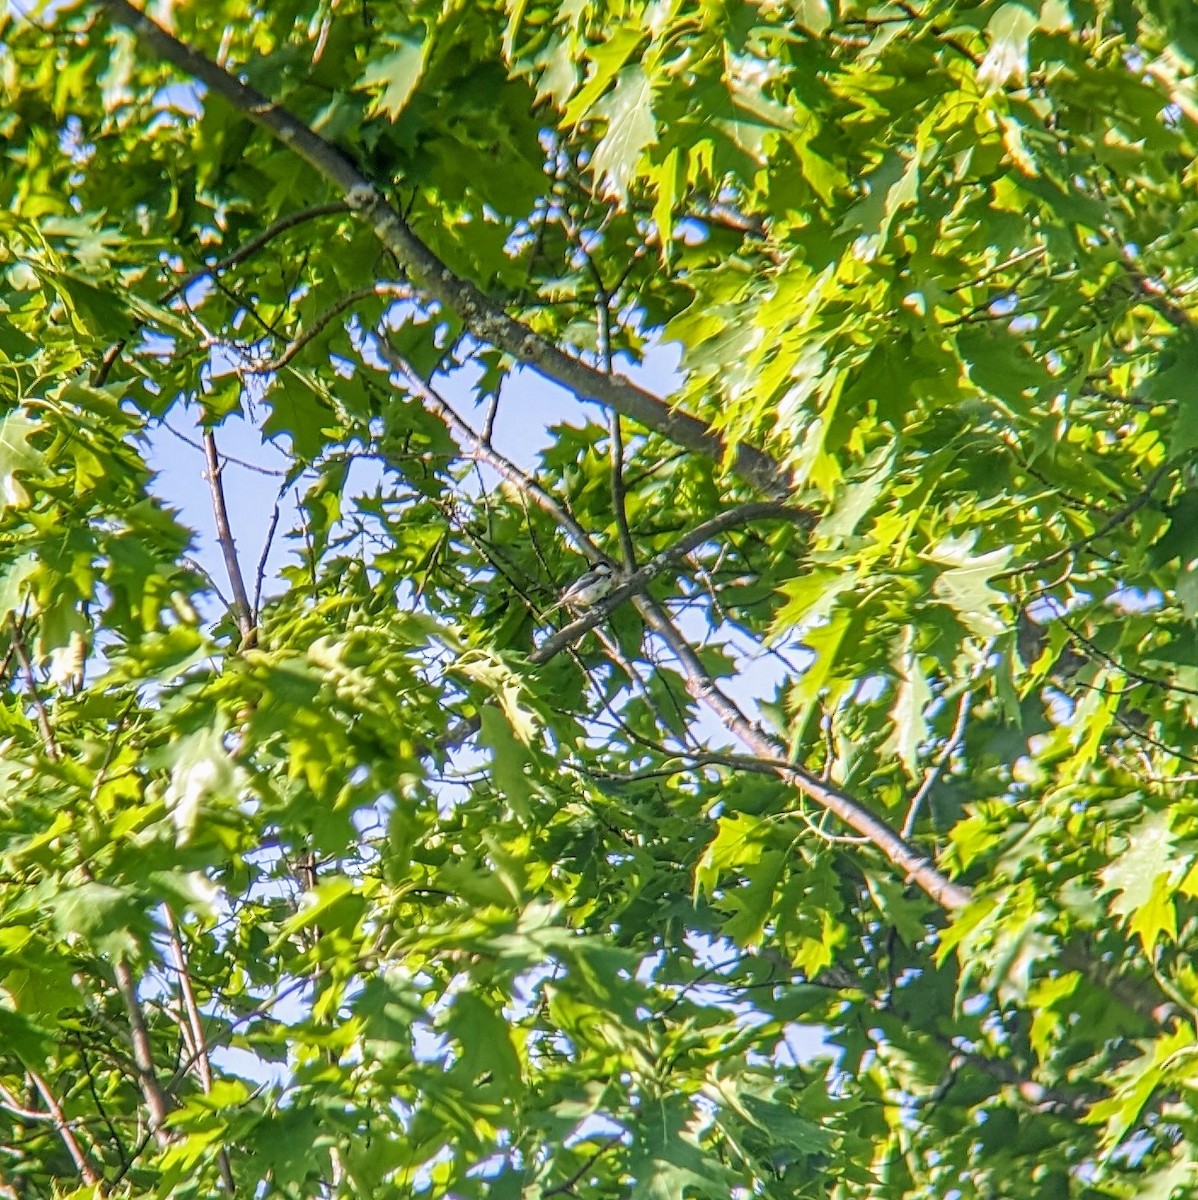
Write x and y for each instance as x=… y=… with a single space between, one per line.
x=589 y=588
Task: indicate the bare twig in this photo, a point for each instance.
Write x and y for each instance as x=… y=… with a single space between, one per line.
x=250 y=248
x=950 y=748
x=86 y=1171
x=243 y=612
x=603 y=298
x=260 y=574
x=743 y=514
x=39 y=705
x=939 y=31
x=113 y=353
x=114 y=1135
x=275 y=472
x=568 y=1184
x=309 y=545
x=1136 y=677
x=195 y=1025
x=618 y=497
x=955 y=738
x=157 y=1100
x=322 y=321
x=11 y=1103
x=480 y=449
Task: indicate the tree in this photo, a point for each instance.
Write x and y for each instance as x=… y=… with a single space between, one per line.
x=368 y=880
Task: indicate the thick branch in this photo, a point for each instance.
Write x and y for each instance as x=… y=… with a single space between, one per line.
x=485 y=320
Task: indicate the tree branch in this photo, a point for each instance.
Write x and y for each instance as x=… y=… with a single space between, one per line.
x=1117 y=518
x=615 y=432
x=255 y=244
x=486 y=320
x=699 y=684
x=195 y=1026
x=86 y=1172
x=243 y=611
x=156 y=1098
x=635 y=583
x=481 y=449
x=39 y=706
x=260 y=574
x=301 y=339
x=950 y=746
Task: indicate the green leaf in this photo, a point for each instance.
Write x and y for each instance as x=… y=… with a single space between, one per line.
x=485 y=1039
x=103 y=916
x=606 y=61
x=910 y=704
x=963 y=584
x=17 y=456
x=739 y=841
x=631 y=129
x=1175 y=380
x=397 y=73
x=509 y=758
x=333 y=904
x=1008 y=30
x=1141 y=877
x=201 y=775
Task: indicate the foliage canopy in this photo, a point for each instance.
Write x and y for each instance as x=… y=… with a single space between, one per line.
x=361 y=879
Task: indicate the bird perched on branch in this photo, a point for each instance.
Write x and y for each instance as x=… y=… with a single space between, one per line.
x=588 y=589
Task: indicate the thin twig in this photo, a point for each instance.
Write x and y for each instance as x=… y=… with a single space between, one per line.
x=504 y=468
x=322 y=321
x=255 y=244
x=157 y=1100
x=88 y=1174
x=618 y=495
x=113 y=353
x=568 y=1184
x=1136 y=677
x=309 y=545
x=39 y=706
x=636 y=582
x=275 y=472
x=1113 y=522
x=195 y=1025
x=489 y=421
x=113 y=1133
x=243 y=612
x=260 y=574
x=603 y=300
x=950 y=748
x=11 y=1103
